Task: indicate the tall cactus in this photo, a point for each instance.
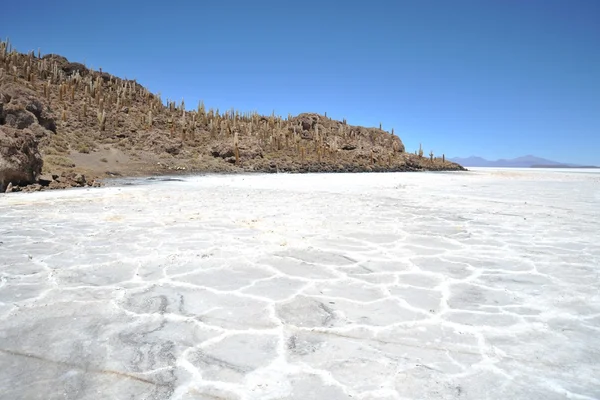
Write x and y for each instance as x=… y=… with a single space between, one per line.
x=236 y=148
x=102 y=120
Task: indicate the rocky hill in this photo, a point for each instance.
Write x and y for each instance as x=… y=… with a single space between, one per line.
x=63 y=124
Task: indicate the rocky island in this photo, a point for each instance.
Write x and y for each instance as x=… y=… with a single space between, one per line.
x=63 y=125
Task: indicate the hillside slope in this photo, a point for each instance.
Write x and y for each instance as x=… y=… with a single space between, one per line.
x=93 y=123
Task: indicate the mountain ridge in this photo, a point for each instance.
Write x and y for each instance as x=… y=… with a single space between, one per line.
x=526 y=161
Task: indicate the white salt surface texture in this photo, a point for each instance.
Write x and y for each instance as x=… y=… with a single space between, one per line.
x=471 y=285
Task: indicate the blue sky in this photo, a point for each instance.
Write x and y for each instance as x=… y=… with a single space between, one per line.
x=494 y=78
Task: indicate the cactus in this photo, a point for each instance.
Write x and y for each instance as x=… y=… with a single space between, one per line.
x=236 y=148
x=101 y=120
x=211 y=128
x=48 y=90
x=171 y=126
x=431 y=155
x=420 y=151
x=149 y=119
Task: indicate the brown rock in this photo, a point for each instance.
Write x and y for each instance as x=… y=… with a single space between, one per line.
x=20 y=160
x=72 y=67
x=79 y=179
x=18 y=117
x=35 y=107
x=23 y=103
x=45 y=180
x=223 y=151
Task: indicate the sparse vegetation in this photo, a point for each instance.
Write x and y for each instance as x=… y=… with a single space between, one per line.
x=59 y=161
x=83 y=148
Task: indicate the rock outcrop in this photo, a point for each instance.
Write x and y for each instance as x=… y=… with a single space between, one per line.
x=20 y=159
x=24 y=120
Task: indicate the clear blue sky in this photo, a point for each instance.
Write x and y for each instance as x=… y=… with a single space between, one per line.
x=494 y=78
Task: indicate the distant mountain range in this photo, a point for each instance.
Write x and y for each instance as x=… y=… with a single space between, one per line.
x=527 y=161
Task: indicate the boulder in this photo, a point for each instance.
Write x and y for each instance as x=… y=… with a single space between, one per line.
x=45 y=180
x=35 y=107
x=306 y=125
x=20 y=159
x=71 y=68
x=251 y=151
x=223 y=151
x=79 y=179
x=308 y=120
x=248 y=151
x=173 y=149
x=18 y=117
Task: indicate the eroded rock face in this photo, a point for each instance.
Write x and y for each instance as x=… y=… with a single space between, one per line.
x=20 y=159
x=24 y=119
x=249 y=151
x=223 y=150
x=18 y=117
x=21 y=108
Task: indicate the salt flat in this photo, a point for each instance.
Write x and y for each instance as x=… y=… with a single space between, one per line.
x=478 y=285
